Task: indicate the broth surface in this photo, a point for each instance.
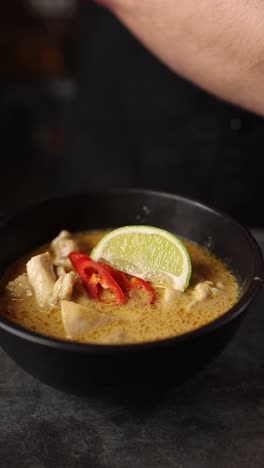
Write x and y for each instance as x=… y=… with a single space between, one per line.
x=140 y=321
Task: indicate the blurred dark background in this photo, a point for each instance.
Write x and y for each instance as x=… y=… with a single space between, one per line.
x=83 y=105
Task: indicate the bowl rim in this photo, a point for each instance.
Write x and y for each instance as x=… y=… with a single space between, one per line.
x=90 y=348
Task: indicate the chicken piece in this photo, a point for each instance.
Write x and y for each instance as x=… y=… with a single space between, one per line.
x=20 y=287
x=63 y=288
x=42 y=278
x=203 y=291
x=80 y=321
x=60 y=270
x=61 y=246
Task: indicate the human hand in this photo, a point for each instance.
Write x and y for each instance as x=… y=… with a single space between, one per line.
x=218 y=45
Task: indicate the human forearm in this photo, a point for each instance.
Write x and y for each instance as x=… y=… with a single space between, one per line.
x=218 y=44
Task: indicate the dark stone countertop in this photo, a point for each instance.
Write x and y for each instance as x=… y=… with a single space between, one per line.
x=214 y=421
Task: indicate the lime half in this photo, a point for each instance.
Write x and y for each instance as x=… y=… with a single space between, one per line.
x=148 y=252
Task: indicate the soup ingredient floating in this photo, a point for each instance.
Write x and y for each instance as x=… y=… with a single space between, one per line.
x=146 y=252
x=47 y=293
x=97 y=277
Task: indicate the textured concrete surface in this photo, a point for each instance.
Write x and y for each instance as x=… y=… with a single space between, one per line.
x=214 y=421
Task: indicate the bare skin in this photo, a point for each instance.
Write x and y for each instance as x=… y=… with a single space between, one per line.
x=217 y=44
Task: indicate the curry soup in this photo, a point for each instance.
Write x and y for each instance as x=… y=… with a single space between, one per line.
x=213 y=290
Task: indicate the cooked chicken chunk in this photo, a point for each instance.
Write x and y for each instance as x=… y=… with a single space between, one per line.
x=61 y=246
x=202 y=291
x=80 y=321
x=42 y=278
x=60 y=270
x=63 y=288
x=20 y=287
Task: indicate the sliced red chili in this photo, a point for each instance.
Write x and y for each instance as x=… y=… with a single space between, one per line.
x=129 y=283
x=75 y=256
x=120 y=277
x=95 y=276
x=138 y=283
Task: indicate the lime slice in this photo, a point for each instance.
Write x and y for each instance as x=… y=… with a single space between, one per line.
x=147 y=252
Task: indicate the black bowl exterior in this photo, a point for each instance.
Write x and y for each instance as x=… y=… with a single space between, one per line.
x=82 y=371
x=77 y=367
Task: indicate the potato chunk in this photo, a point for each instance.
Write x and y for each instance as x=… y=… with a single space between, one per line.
x=80 y=321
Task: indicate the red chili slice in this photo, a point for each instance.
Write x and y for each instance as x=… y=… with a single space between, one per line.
x=138 y=283
x=120 y=277
x=94 y=275
x=133 y=283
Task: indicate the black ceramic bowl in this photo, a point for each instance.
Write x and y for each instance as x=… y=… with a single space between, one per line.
x=76 y=367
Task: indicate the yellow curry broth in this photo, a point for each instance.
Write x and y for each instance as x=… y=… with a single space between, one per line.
x=138 y=321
